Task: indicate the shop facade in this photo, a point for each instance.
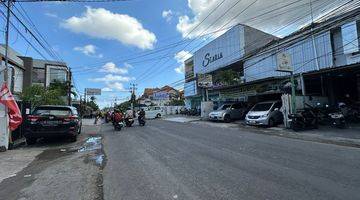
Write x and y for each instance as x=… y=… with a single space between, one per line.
x=325 y=59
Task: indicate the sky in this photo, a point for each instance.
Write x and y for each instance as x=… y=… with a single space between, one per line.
x=109 y=45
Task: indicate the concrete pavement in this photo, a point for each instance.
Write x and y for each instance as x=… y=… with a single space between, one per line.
x=168 y=160
x=55 y=169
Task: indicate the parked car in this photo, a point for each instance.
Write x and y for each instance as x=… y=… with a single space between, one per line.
x=153 y=112
x=265 y=113
x=229 y=112
x=52 y=121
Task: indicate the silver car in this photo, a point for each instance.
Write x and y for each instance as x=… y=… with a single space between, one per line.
x=265 y=113
x=228 y=112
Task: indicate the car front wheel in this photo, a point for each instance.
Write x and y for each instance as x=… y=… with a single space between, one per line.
x=227 y=118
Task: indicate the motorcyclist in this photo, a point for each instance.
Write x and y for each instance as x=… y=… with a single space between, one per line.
x=118 y=117
x=141 y=116
x=129 y=116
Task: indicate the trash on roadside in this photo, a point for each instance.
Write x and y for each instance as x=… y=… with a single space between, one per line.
x=27 y=175
x=62 y=150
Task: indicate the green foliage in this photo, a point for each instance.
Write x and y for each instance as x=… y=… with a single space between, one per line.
x=92 y=105
x=227 y=77
x=38 y=95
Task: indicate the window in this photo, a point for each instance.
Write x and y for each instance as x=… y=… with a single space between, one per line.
x=55 y=73
x=350 y=38
x=38 y=75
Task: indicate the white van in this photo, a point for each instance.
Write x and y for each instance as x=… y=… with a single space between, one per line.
x=265 y=113
x=153 y=112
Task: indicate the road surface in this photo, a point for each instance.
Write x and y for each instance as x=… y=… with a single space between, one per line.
x=170 y=160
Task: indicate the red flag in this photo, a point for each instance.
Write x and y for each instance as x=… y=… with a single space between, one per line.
x=6 y=98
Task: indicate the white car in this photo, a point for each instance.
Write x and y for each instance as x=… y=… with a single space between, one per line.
x=153 y=112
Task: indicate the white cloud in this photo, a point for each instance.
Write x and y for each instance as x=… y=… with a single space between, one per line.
x=180 y=69
x=53 y=15
x=180 y=57
x=116 y=86
x=104 y=24
x=167 y=15
x=89 y=50
x=109 y=78
x=110 y=67
x=264 y=15
x=106 y=89
x=128 y=66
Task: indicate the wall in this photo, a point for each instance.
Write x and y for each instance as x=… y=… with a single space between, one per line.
x=302 y=57
x=230 y=46
x=255 y=39
x=190 y=89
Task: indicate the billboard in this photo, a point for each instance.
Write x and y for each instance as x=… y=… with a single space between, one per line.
x=92 y=91
x=222 y=51
x=162 y=95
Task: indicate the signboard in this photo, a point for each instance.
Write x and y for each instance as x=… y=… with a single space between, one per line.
x=92 y=91
x=205 y=80
x=284 y=62
x=162 y=95
x=222 y=51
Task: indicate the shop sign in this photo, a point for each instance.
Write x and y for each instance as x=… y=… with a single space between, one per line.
x=211 y=58
x=284 y=62
x=92 y=91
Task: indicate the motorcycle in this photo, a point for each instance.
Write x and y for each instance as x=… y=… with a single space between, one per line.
x=129 y=122
x=141 y=121
x=118 y=125
x=303 y=120
x=337 y=120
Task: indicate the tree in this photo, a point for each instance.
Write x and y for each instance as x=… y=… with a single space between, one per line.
x=39 y=95
x=227 y=77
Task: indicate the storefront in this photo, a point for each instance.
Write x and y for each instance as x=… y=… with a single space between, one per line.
x=221 y=59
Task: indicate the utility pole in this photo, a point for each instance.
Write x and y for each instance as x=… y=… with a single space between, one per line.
x=133 y=94
x=69 y=87
x=7 y=41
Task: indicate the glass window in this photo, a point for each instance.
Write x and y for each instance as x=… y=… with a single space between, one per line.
x=53 y=111
x=57 y=75
x=38 y=75
x=262 y=107
x=224 y=107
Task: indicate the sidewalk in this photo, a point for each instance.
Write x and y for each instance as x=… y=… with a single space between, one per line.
x=181 y=118
x=325 y=134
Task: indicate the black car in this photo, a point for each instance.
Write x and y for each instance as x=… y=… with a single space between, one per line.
x=52 y=121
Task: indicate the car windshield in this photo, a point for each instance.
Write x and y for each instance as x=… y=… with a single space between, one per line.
x=262 y=107
x=53 y=111
x=224 y=107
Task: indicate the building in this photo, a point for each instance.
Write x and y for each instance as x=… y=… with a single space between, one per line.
x=205 y=71
x=159 y=96
x=24 y=72
x=45 y=72
x=15 y=73
x=324 y=56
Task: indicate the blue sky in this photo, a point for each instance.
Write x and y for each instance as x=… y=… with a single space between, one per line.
x=97 y=39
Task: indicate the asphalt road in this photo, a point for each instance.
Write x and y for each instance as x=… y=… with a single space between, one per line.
x=169 y=160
